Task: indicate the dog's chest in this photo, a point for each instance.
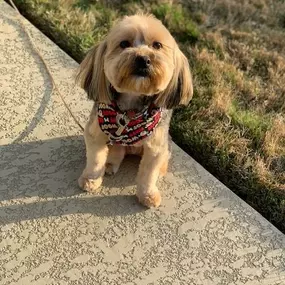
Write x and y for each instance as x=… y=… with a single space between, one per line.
x=127 y=127
x=128 y=102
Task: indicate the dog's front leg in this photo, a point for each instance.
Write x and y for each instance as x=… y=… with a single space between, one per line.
x=153 y=163
x=96 y=154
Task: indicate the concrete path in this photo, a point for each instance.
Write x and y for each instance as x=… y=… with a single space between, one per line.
x=52 y=233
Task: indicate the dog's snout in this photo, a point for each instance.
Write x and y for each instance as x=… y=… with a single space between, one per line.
x=142 y=61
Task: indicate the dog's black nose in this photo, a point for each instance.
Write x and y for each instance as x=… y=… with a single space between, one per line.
x=142 y=61
x=141 y=66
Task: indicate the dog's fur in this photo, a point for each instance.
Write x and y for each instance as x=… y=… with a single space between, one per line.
x=168 y=83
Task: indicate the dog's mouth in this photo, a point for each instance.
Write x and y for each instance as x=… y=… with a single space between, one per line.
x=141 y=72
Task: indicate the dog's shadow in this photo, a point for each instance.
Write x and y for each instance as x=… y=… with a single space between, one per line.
x=45 y=174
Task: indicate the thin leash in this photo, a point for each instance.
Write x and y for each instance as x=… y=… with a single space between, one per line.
x=54 y=86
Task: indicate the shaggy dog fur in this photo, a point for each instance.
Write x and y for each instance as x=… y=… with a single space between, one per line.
x=141 y=61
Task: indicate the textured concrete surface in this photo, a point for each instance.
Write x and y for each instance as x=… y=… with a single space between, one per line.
x=52 y=233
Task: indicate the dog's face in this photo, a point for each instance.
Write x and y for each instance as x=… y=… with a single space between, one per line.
x=139 y=56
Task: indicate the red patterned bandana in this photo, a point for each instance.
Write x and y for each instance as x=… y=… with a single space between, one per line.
x=127 y=128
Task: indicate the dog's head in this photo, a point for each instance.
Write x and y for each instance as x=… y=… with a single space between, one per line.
x=139 y=56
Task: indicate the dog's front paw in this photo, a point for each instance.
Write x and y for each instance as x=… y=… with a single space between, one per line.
x=149 y=199
x=111 y=168
x=88 y=184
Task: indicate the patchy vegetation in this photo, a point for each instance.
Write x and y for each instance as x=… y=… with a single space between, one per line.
x=235 y=125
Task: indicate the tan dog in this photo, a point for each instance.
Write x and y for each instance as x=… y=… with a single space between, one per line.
x=135 y=76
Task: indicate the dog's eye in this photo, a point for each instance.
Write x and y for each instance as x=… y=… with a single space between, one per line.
x=125 y=44
x=157 y=45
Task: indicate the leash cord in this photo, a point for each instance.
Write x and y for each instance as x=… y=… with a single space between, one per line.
x=54 y=86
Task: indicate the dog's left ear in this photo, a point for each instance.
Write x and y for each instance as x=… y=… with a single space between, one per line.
x=180 y=88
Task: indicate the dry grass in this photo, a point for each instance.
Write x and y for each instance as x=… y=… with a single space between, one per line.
x=235 y=124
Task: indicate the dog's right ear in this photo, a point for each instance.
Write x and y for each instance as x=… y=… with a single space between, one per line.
x=91 y=76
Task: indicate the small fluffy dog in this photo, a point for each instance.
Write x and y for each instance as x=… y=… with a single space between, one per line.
x=136 y=76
